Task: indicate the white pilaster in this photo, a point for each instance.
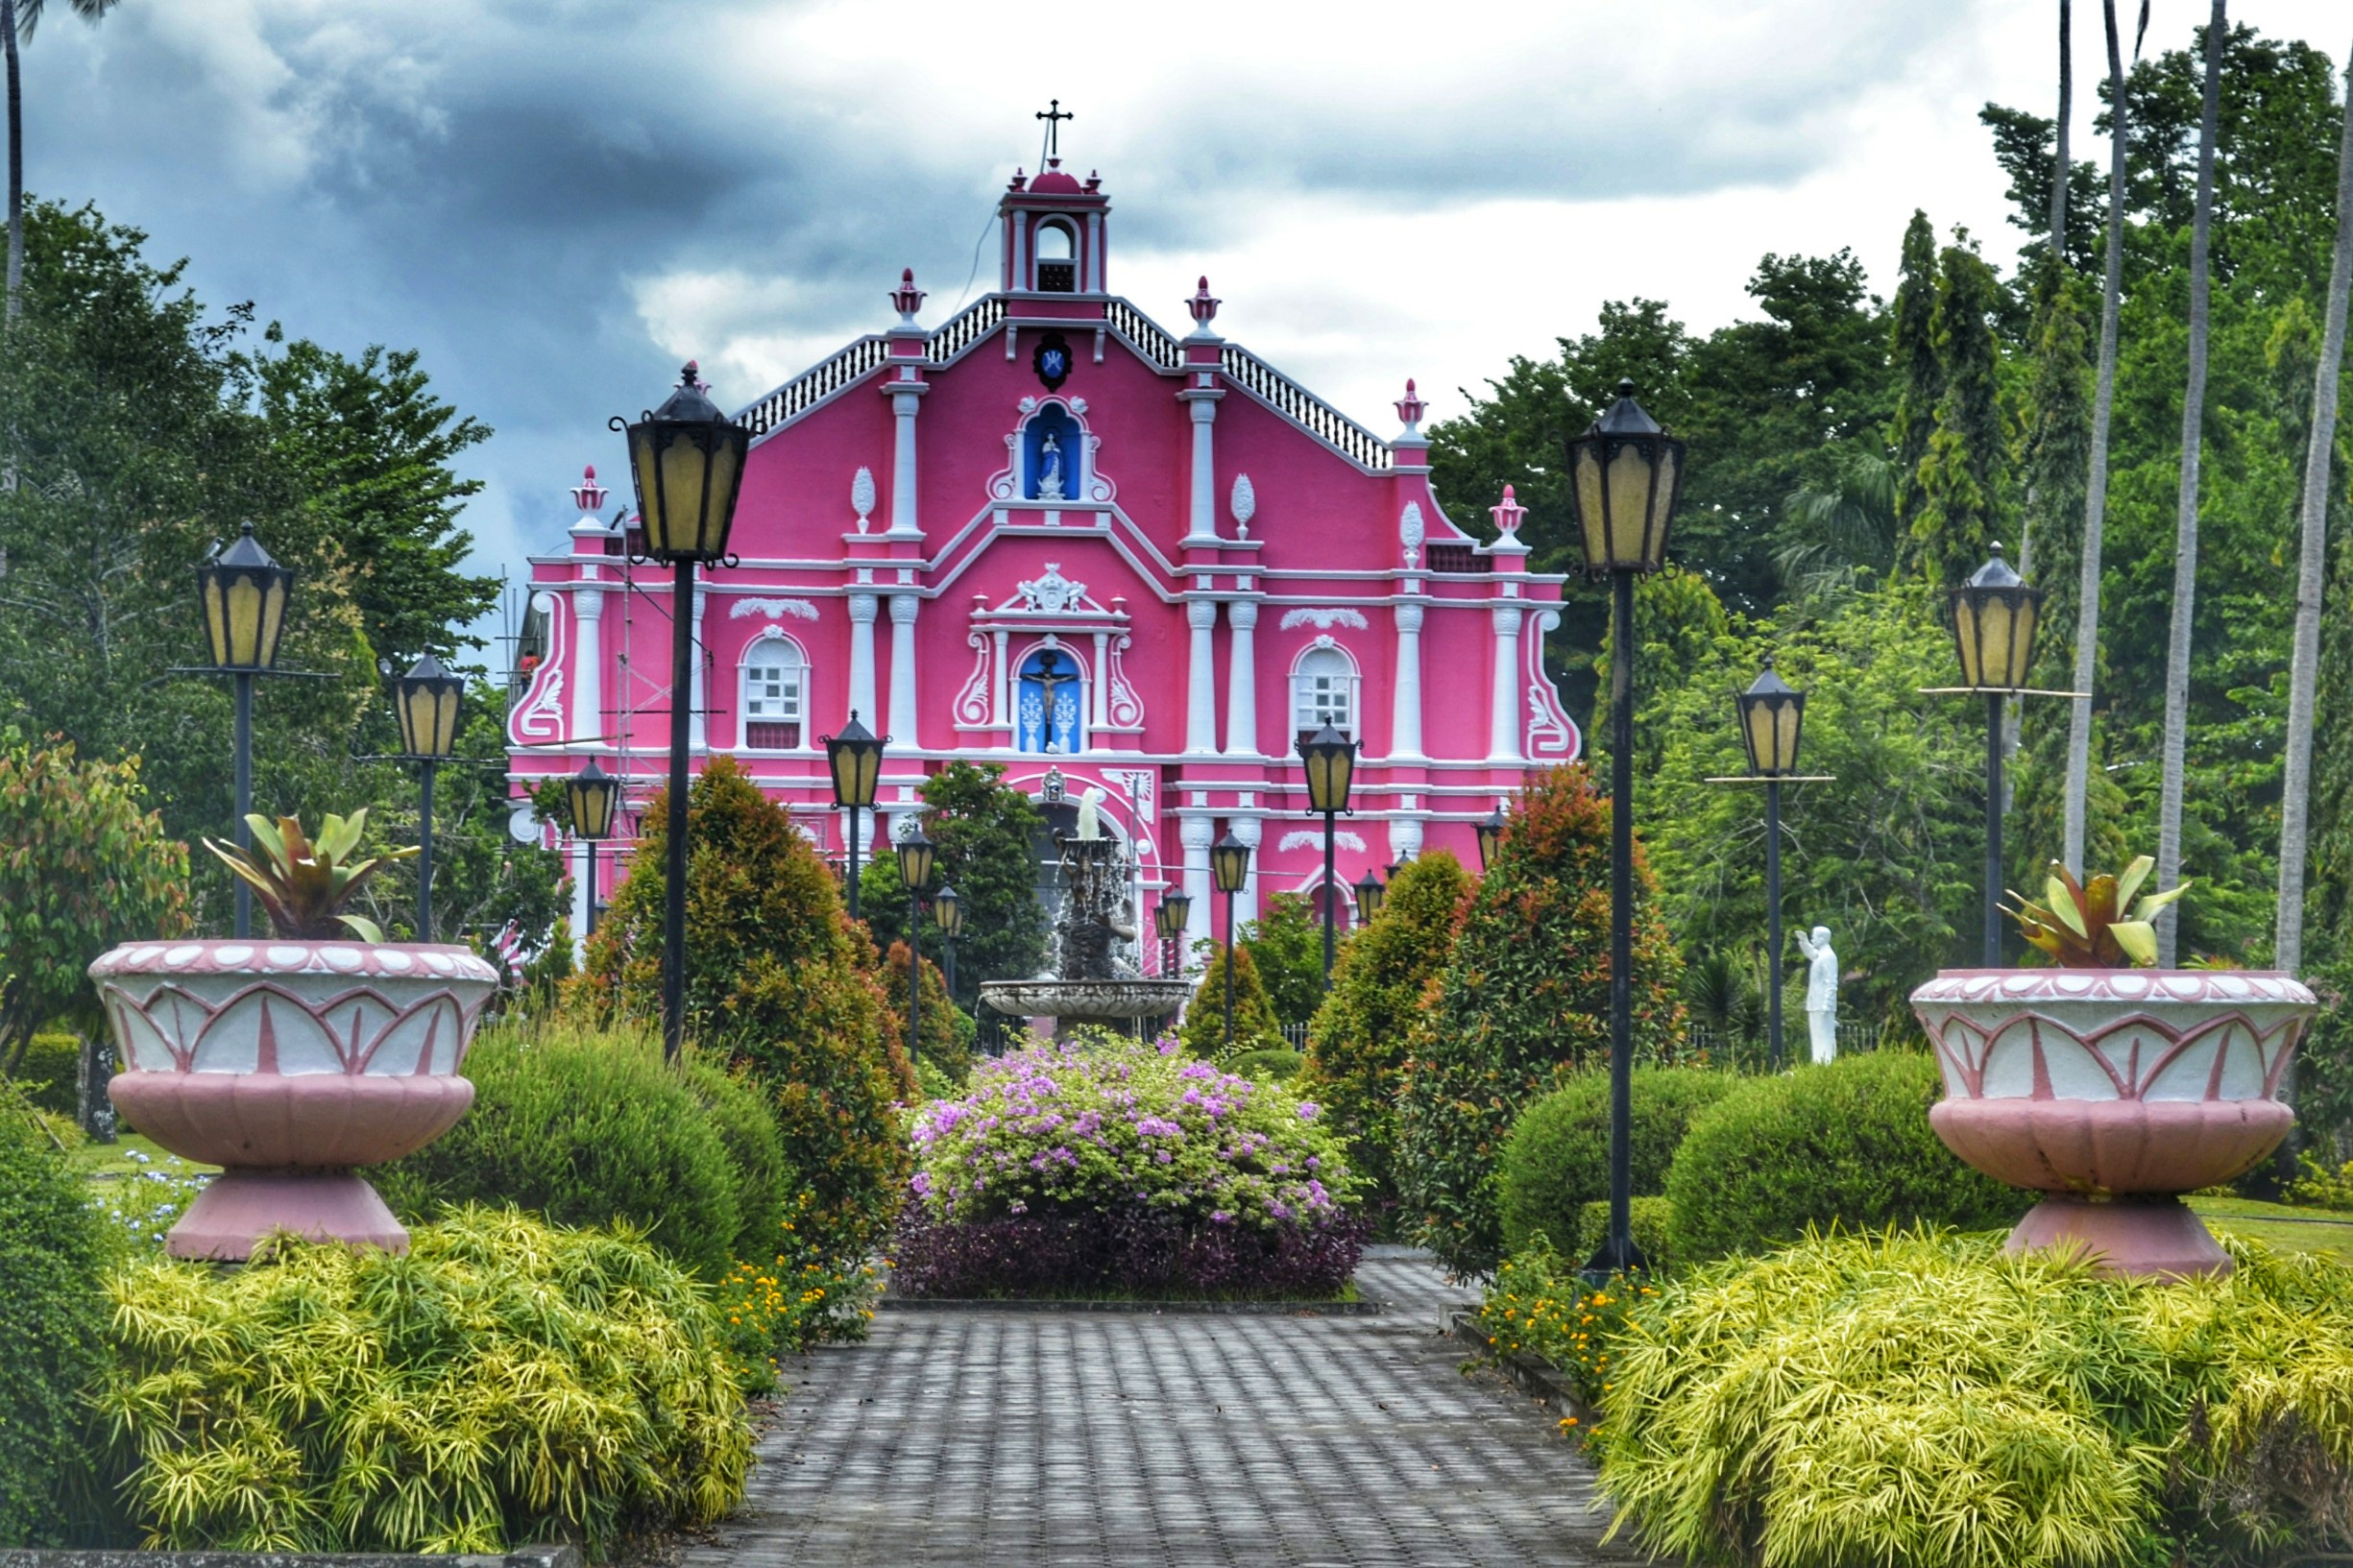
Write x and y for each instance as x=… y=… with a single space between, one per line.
x=1099 y=690
x=1201 y=680
x=698 y=714
x=588 y=610
x=1203 y=397
x=905 y=399
x=1248 y=829
x=903 y=608
x=1197 y=832
x=999 y=689
x=1405 y=709
x=1242 y=679
x=862 y=608
x=1094 y=251
x=1506 y=702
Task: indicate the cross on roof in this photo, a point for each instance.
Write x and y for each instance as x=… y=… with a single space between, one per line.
x=1053 y=114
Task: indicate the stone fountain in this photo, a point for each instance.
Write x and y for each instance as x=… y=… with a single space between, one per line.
x=1090 y=983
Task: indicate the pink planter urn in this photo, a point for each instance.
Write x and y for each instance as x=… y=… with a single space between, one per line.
x=287 y=1064
x=2114 y=1091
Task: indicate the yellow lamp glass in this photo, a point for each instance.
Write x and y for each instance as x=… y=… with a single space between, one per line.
x=1626 y=475
x=1995 y=617
x=1330 y=759
x=1229 y=863
x=243 y=593
x=1771 y=714
x=593 y=797
x=854 y=760
x=687 y=461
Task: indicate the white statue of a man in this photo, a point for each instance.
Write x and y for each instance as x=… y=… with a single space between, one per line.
x=1821 y=994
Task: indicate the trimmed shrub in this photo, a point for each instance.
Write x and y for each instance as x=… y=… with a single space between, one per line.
x=946 y=1042
x=50 y=1073
x=1357 y=1043
x=1256 y=1029
x=503 y=1382
x=1847 y=1144
x=782 y=984
x=736 y=1109
x=1286 y=947
x=1106 y=1166
x=1270 y=1066
x=1652 y=1219
x=1523 y=1002
x=53 y=1247
x=1861 y=1400
x=584 y=1128
x=1557 y=1158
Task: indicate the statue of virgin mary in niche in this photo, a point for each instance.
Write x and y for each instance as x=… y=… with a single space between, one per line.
x=1050 y=470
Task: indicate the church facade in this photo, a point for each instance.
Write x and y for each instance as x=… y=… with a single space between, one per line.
x=1048 y=534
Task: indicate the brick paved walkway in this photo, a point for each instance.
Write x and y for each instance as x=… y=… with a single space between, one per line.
x=1188 y=1441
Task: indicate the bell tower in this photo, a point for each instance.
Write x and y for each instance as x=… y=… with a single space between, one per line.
x=1054 y=225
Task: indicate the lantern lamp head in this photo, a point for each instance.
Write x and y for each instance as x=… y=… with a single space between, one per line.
x=854 y=760
x=1229 y=863
x=592 y=795
x=915 y=861
x=1626 y=473
x=427 y=702
x=1771 y=713
x=1995 y=616
x=948 y=910
x=1490 y=834
x=244 y=591
x=1331 y=758
x=1174 y=914
x=1370 y=892
x=686 y=459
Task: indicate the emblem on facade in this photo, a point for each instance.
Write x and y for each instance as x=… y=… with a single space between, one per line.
x=1245 y=505
x=1052 y=593
x=1052 y=361
x=1410 y=533
x=1323 y=619
x=862 y=497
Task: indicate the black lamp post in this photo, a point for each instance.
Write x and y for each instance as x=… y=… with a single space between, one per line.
x=426 y=701
x=1625 y=473
x=1168 y=921
x=1771 y=713
x=244 y=591
x=1331 y=758
x=948 y=914
x=854 y=760
x=1370 y=892
x=594 y=796
x=915 y=871
x=1490 y=834
x=1229 y=866
x=686 y=459
x=1995 y=616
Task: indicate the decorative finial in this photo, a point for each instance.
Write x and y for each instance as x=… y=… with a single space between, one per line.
x=692 y=375
x=1053 y=114
x=1094 y=181
x=861 y=495
x=1020 y=179
x=1245 y=505
x=1203 y=305
x=1411 y=408
x=907 y=299
x=588 y=494
x=1508 y=514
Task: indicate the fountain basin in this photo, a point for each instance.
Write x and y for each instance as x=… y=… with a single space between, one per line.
x=1083 y=999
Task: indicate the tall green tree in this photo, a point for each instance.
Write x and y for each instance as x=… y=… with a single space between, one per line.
x=2192 y=445
x=1962 y=478
x=1920 y=376
x=984 y=837
x=17 y=20
x=1286 y=944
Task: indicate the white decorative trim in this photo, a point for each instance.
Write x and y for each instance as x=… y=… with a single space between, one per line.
x=972 y=703
x=1313 y=838
x=1127 y=707
x=862 y=497
x=1410 y=533
x=1324 y=619
x=1243 y=504
x=1052 y=593
x=798 y=609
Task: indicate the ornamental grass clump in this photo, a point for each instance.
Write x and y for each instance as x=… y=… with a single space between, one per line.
x=1115 y=1167
x=1925 y=1398
x=505 y=1381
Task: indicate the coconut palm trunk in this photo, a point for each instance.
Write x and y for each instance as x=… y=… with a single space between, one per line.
x=2304 y=665
x=2185 y=514
x=2096 y=483
x=16 y=157
x=2059 y=165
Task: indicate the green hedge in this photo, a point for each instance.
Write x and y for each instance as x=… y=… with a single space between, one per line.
x=739 y=1113
x=1848 y=1143
x=1652 y=1219
x=53 y=1248
x=1557 y=1159
x=1278 y=1066
x=586 y=1127
x=50 y=1075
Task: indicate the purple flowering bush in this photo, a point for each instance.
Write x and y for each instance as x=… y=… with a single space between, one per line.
x=1114 y=1168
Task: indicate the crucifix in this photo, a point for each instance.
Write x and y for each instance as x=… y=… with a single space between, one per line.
x=1051 y=680
x=1054 y=115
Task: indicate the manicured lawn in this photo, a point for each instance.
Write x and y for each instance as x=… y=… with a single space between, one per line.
x=2305 y=1230
x=110 y=1162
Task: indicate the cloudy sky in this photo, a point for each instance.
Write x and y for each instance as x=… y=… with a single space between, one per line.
x=558 y=199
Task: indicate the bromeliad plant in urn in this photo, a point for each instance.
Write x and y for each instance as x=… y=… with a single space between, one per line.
x=292 y=1060
x=2109 y=1084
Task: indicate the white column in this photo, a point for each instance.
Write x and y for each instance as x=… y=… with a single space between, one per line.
x=1000 y=685
x=903 y=406
x=902 y=607
x=587 y=663
x=1405 y=711
x=1504 y=713
x=863 y=607
x=1242 y=679
x=698 y=724
x=1248 y=829
x=1099 y=690
x=1094 y=253
x=1197 y=832
x=1202 y=527
x=1201 y=680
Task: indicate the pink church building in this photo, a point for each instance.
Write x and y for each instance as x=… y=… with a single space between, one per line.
x=1047 y=533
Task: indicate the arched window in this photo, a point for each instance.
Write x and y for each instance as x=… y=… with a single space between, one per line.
x=1323 y=691
x=1050 y=707
x=775 y=681
x=1057 y=265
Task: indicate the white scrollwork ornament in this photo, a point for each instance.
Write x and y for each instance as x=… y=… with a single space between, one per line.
x=1411 y=533
x=1245 y=505
x=1051 y=593
x=862 y=497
